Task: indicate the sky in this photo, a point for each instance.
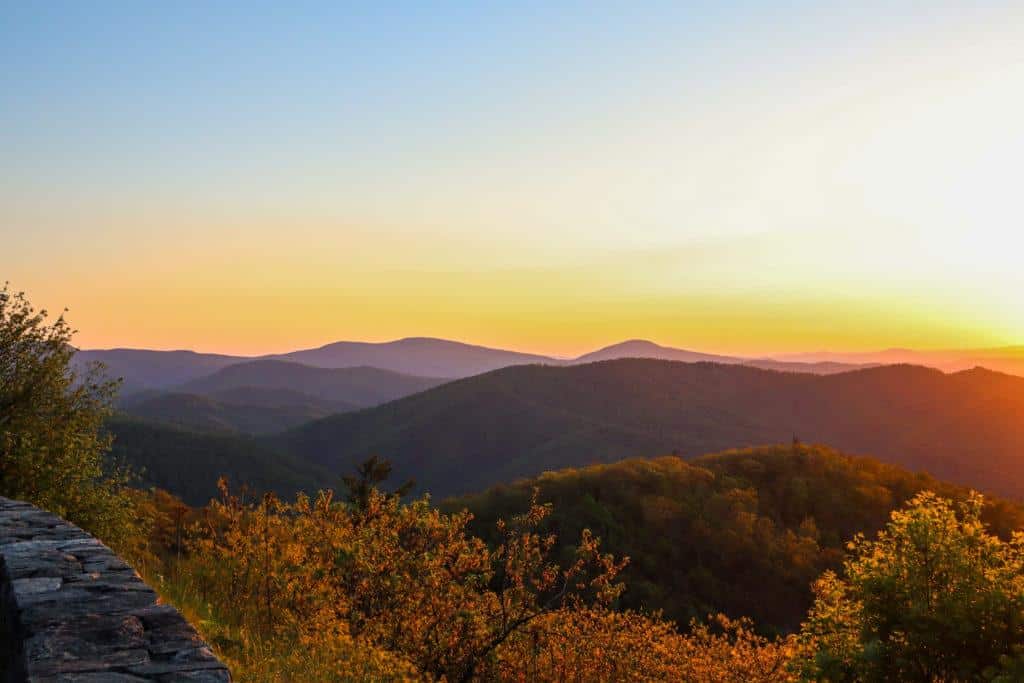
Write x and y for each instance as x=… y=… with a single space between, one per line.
x=739 y=177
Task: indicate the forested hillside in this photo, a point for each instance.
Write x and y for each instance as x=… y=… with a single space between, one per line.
x=246 y=411
x=742 y=532
x=189 y=463
x=520 y=421
x=355 y=386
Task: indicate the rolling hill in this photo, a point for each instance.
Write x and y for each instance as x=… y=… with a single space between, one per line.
x=420 y=356
x=188 y=463
x=246 y=410
x=356 y=387
x=436 y=358
x=1008 y=359
x=744 y=532
x=142 y=369
x=640 y=348
x=520 y=421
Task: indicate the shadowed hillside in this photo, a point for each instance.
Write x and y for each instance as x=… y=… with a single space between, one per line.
x=189 y=463
x=520 y=421
x=355 y=386
x=244 y=410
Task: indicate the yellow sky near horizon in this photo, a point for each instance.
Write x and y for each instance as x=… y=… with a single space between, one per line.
x=843 y=179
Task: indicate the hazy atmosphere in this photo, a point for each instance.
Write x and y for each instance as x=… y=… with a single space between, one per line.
x=742 y=178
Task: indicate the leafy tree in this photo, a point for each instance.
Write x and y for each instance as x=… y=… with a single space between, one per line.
x=51 y=445
x=934 y=598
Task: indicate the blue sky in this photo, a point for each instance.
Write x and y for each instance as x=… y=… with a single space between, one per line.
x=605 y=157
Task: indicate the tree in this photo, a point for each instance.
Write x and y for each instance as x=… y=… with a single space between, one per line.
x=369 y=475
x=934 y=598
x=51 y=442
x=401 y=578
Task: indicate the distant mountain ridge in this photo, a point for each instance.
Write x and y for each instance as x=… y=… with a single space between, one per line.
x=266 y=396
x=224 y=393
x=359 y=387
x=1009 y=359
x=520 y=421
x=418 y=356
x=642 y=348
x=144 y=369
x=422 y=356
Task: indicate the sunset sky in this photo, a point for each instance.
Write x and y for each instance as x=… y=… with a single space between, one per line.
x=743 y=177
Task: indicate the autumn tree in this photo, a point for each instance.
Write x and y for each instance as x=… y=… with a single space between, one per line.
x=934 y=598
x=401 y=578
x=52 y=447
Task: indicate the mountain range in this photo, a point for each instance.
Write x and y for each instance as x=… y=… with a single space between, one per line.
x=443 y=359
x=1009 y=359
x=247 y=410
x=263 y=396
x=520 y=421
x=422 y=357
x=501 y=415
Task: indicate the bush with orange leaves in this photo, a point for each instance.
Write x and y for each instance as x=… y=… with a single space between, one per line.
x=597 y=644
x=322 y=590
x=402 y=578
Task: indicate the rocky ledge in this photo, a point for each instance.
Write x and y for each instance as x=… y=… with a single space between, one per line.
x=72 y=611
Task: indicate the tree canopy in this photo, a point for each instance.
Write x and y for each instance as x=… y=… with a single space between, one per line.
x=935 y=597
x=52 y=449
x=744 y=532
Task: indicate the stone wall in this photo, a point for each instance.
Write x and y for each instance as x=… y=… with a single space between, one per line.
x=72 y=611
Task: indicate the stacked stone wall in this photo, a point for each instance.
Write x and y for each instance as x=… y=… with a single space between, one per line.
x=72 y=611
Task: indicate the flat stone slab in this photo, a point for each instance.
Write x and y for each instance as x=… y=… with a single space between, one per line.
x=71 y=611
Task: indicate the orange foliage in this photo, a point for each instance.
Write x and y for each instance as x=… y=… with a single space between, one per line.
x=406 y=579
x=597 y=644
x=321 y=590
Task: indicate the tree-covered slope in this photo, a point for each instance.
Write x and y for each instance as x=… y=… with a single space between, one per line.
x=245 y=412
x=745 y=532
x=188 y=463
x=519 y=421
x=356 y=386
